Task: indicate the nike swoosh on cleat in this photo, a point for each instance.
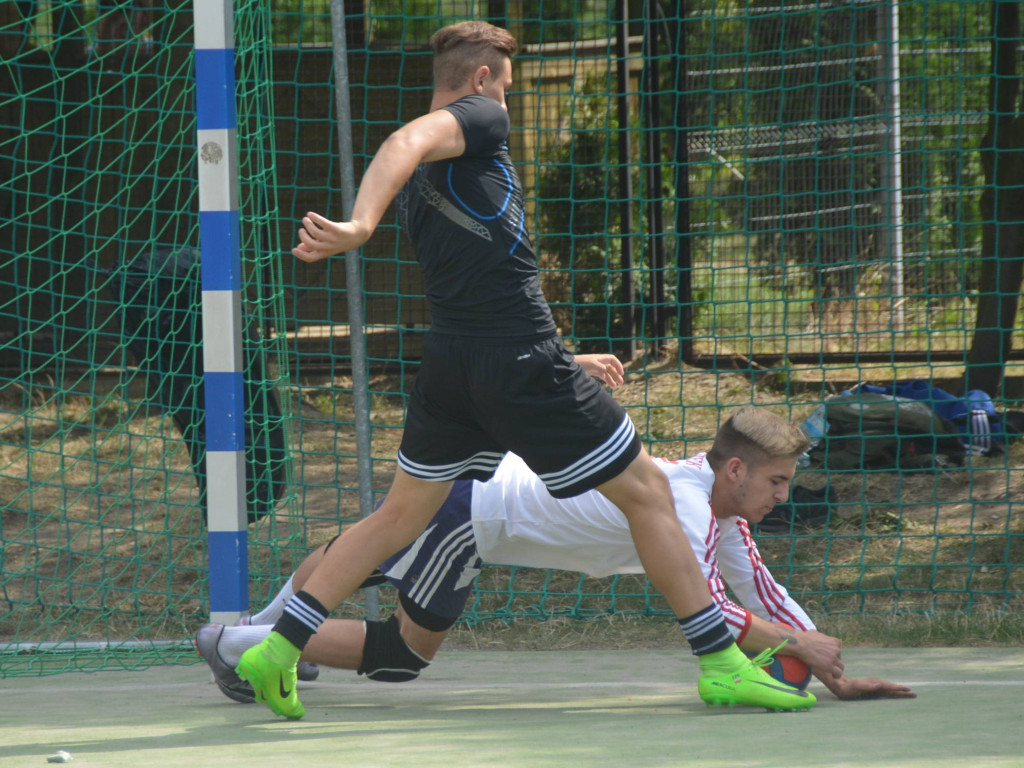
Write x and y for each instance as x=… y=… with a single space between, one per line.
x=793 y=691
x=281 y=689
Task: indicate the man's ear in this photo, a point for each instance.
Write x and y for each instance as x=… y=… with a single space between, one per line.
x=480 y=77
x=734 y=468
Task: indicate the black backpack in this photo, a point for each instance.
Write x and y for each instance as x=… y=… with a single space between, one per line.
x=159 y=299
x=875 y=431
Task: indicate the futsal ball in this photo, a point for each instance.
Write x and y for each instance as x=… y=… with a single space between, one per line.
x=789 y=670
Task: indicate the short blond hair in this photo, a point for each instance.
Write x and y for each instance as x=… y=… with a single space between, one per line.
x=755 y=435
x=459 y=49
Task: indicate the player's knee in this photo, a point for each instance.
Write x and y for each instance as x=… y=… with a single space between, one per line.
x=426 y=618
x=643 y=489
x=386 y=657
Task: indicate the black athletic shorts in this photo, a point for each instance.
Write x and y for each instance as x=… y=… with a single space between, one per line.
x=474 y=399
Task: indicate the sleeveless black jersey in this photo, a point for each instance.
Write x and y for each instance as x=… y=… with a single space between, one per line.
x=465 y=218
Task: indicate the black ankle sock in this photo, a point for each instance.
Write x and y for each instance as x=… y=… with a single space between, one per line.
x=706 y=631
x=301 y=618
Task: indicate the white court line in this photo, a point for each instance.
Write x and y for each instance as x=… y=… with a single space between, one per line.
x=460 y=686
x=640 y=684
x=43 y=688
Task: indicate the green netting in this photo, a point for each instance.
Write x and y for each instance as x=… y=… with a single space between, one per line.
x=735 y=197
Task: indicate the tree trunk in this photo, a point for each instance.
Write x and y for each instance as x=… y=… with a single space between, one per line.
x=1002 y=211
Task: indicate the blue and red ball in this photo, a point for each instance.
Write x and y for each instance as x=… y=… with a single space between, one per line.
x=789 y=670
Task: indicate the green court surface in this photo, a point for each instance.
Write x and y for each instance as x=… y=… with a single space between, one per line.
x=479 y=709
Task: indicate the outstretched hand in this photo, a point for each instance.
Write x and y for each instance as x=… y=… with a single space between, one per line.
x=848 y=688
x=320 y=238
x=605 y=367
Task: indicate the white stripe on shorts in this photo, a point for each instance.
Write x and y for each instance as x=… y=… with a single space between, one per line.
x=486 y=461
x=593 y=462
x=402 y=566
x=447 y=552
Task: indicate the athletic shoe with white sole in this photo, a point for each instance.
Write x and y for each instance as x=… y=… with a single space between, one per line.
x=306 y=671
x=753 y=686
x=230 y=684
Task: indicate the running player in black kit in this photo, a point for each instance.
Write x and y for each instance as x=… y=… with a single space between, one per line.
x=495 y=377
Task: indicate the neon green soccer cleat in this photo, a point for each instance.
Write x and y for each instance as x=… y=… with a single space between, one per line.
x=753 y=686
x=270 y=668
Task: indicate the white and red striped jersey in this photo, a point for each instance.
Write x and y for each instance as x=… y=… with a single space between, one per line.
x=517 y=522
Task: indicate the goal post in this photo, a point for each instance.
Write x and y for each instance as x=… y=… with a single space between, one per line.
x=219 y=234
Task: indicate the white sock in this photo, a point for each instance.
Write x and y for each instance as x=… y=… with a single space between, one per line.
x=272 y=612
x=237 y=640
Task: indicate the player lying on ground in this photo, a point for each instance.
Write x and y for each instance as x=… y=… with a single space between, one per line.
x=494 y=376
x=512 y=519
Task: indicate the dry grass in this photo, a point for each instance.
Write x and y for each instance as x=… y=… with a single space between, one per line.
x=943 y=542
x=101 y=534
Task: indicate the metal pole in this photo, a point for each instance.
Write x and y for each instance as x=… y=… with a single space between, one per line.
x=625 y=183
x=220 y=245
x=892 y=238
x=655 y=224
x=684 y=239
x=353 y=283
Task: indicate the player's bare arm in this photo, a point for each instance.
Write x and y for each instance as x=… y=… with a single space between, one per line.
x=434 y=136
x=817 y=650
x=821 y=653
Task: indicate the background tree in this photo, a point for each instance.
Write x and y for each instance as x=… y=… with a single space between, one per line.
x=1002 y=208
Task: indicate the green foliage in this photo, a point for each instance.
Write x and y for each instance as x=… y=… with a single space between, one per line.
x=551 y=21
x=580 y=221
x=808 y=183
x=407 y=23
x=301 y=22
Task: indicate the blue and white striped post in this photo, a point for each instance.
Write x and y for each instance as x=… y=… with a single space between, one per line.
x=219 y=236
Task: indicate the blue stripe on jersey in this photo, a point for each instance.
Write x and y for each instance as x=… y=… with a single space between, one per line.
x=520 y=231
x=481 y=216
